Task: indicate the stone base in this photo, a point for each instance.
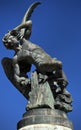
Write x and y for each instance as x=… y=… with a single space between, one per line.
x=44 y=127
x=44 y=119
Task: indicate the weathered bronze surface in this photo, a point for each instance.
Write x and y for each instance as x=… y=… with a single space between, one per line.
x=46 y=87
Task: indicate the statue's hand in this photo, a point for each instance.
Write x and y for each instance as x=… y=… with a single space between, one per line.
x=22 y=80
x=19 y=79
x=25 y=82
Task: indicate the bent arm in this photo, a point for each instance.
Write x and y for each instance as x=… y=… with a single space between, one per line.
x=17 y=70
x=17 y=73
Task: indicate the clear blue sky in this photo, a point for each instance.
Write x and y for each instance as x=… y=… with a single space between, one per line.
x=57 y=29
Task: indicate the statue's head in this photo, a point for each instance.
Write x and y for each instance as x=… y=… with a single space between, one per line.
x=12 y=39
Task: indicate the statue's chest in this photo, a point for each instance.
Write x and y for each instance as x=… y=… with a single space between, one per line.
x=24 y=55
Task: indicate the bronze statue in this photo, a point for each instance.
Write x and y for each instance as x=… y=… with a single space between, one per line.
x=47 y=79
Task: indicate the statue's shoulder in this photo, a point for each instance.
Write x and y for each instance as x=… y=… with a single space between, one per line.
x=29 y=45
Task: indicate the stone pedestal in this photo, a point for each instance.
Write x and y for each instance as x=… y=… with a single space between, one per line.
x=44 y=119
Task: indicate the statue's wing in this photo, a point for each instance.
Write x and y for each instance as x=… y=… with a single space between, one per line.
x=8 y=69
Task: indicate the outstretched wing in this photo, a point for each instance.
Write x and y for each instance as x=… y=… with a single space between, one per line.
x=8 y=69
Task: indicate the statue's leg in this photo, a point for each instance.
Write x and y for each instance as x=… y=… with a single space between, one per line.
x=44 y=63
x=50 y=65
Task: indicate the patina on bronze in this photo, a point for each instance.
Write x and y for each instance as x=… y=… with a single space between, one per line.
x=46 y=87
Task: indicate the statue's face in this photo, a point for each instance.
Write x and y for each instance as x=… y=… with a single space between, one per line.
x=10 y=41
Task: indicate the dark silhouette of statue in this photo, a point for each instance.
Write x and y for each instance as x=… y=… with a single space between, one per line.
x=46 y=87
